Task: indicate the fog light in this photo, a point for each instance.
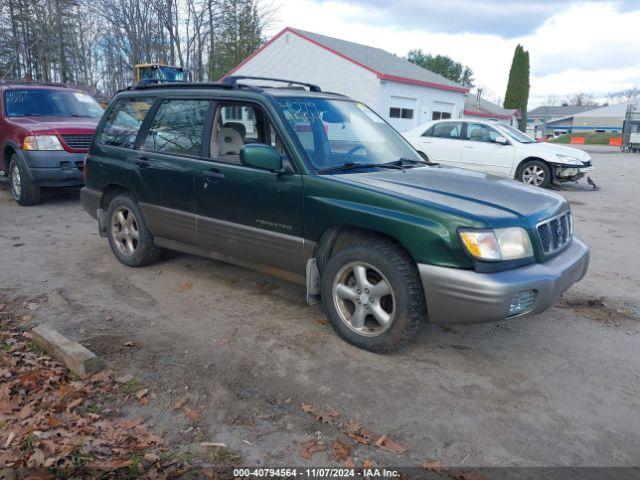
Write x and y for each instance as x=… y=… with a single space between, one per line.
x=522 y=301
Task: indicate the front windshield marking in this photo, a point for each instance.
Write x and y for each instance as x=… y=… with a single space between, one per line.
x=338 y=132
x=517 y=134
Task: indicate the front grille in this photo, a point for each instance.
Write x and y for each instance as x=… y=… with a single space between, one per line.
x=78 y=142
x=555 y=233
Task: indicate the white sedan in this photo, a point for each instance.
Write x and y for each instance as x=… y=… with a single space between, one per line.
x=498 y=149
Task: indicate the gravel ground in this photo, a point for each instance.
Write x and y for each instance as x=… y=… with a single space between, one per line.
x=558 y=389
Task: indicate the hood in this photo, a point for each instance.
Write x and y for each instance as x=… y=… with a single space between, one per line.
x=554 y=149
x=491 y=200
x=61 y=125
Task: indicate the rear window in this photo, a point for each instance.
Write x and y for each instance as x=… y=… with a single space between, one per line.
x=123 y=122
x=178 y=127
x=445 y=130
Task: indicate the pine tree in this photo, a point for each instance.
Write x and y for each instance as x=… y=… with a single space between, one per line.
x=517 y=94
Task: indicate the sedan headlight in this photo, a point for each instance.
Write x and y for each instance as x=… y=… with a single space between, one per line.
x=41 y=142
x=570 y=160
x=498 y=244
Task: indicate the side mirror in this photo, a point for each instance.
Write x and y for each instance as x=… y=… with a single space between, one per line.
x=261 y=156
x=501 y=140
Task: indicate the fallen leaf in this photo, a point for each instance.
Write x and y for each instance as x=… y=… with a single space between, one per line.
x=109 y=465
x=306 y=408
x=209 y=473
x=10 y=439
x=191 y=414
x=368 y=463
x=308 y=448
x=180 y=403
x=25 y=412
x=340 y=450
x=222 y=341
x=128 y=344
x=213 y=445
x=2 y=305
x=73 y=404
x=141 y=393
x=389 y=445
x=184 y=287
x=36 y=459
x=349 y=463
x=151 y=457
x=124 y=378
x=434 y=465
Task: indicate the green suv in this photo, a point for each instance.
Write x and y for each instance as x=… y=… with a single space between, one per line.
x=317 y=189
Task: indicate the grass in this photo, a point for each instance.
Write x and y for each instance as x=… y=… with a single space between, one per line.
x=132 y=386
x=590 y=138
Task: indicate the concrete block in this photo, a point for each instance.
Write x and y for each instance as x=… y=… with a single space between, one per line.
x=77 y=358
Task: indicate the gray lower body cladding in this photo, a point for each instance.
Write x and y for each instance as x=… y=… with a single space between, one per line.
x=54 y=168
x=465 y=296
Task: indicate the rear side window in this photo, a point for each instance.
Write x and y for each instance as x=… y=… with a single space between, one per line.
x=178 y=127
x=123 y=122
x=445 y=130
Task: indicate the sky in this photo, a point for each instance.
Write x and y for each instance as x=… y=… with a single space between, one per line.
x=575 y=46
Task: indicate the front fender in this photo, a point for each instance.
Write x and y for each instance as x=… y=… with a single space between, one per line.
x=429 y=234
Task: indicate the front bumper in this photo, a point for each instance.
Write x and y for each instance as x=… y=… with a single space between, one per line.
x=465 y=296
x=54 y=168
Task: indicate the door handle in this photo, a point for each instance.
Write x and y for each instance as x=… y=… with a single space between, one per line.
x=469 y=146
x=142 y=161
x=212 y=173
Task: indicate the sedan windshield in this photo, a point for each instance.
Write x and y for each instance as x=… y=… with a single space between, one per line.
x=338 y=133
x=516 y=134
x=27 y=102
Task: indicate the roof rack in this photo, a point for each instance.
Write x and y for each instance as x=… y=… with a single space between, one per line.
x=37 y=84
x=233 y=82
x=165 y=84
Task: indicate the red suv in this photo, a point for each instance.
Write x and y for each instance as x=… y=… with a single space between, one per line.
x=45 y=131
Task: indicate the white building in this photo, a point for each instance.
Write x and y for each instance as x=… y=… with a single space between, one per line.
x=404 y=94
x=477 y=108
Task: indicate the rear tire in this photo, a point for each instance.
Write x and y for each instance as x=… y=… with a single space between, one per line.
x=372 y=295
x=24 y=191
x=129 y=237
x=535 y=172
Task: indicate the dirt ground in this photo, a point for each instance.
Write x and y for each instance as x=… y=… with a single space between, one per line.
x=558 y=389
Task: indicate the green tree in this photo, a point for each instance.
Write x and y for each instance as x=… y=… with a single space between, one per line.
x=442 y=65
x=238 y=34
x=517 y=94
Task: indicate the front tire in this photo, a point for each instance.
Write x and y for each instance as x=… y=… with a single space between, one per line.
x=535 y=172
x=24 y=191
x=129 y=237
x=372 y=295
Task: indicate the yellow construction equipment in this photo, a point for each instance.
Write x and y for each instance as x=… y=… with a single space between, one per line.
x=158 y=72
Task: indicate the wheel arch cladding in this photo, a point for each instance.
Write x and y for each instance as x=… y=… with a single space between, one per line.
x=110 y=192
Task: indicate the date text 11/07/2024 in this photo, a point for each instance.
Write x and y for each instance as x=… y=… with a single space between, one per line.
x=315 y=473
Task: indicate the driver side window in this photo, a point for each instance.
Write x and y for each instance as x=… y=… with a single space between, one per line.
x=478 y=132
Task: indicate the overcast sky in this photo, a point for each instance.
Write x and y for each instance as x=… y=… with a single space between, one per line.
x=589 y=46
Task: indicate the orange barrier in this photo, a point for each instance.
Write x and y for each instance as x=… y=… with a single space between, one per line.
x=577 y=140
x=615 y=141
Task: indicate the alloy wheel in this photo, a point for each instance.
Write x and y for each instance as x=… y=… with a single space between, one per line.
x=364 y=299
x=533 y=175
x=124 y=228
x=16 y=181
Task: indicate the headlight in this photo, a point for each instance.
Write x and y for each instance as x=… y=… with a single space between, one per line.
x=569 y=160
x=41 y=142
x=499 y=244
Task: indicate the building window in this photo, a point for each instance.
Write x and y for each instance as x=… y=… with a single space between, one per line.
x=406 y=113
x=440 y=115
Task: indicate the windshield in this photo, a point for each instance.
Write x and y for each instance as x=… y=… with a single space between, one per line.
x=517 y=134
x=338 y=132
x=56 y=103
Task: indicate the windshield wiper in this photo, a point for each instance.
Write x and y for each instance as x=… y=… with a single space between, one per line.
x=409 y=162
x=354 y=166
